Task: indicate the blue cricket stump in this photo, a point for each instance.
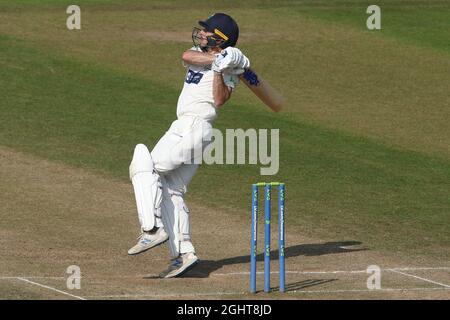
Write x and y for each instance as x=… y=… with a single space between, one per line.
x=281 y=192
x=267 y=237
x=267 y=222
x=254 y=238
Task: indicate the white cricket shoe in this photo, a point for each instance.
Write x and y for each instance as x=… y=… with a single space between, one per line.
x=149 y=240
x=180 y=265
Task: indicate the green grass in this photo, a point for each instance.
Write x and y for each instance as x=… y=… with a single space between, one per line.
x=339 y=185
x=424 y=24
x=336 y=74
x=77 y=112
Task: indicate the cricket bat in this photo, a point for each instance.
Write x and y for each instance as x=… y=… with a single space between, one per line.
x=263 y=90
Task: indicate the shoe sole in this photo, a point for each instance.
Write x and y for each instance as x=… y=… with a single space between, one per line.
x=154 y=245
x=182 y=271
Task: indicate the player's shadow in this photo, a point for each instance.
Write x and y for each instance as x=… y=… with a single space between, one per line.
x=299 y=285
x=206 y=267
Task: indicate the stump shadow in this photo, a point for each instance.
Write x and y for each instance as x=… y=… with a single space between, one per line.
x=205 y=267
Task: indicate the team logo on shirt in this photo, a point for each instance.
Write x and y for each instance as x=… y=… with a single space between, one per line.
x=193 y=77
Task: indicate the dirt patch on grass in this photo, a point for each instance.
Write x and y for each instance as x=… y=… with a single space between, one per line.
x=54 y=216
x=186 y=36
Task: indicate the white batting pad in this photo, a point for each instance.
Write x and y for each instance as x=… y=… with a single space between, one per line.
x=147 y=187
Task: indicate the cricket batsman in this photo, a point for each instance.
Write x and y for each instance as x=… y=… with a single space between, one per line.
x=160 y=177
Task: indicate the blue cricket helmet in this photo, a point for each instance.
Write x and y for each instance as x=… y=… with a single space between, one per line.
x=224 y=27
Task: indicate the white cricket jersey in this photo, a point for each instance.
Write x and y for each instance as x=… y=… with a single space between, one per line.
x=196 y=98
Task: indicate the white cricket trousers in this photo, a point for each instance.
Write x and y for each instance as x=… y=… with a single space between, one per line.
x=176 y=157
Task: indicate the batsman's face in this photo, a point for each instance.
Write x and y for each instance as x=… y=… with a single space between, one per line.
x=203 y=34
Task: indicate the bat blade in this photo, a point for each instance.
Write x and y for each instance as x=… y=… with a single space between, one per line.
x=263 y=90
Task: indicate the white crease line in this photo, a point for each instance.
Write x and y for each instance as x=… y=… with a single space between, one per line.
x=427 y=280
x=50 y=288
x=287 y=272
x=84 y=277
x=329 y=272
x=238 y=273
x=418 y=268
x=32 y=277
x=168 y=295
x=242 y=293
x=368 y=290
